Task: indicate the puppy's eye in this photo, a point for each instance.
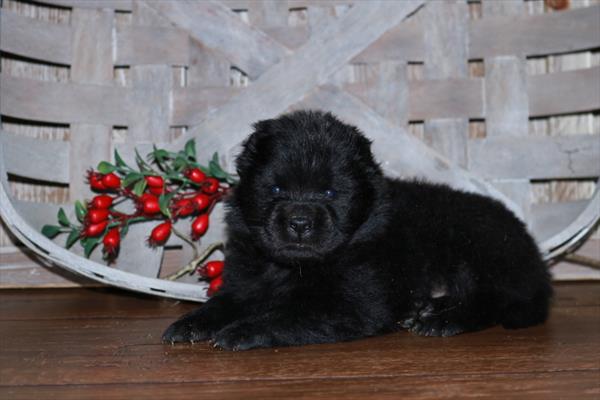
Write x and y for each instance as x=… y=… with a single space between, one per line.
x=330 y=193
x=275 y=189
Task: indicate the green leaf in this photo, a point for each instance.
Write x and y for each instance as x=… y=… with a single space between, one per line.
x=105 y=167
x=62 y=218
x=72 y=238
x=216 y=170
x=215 y=158
x=159 y=154
x=118 y=160
x=50 y=231
x=80 y=211
x=139 y=187
x=124 y=229
x=190 y=149
x=89 y=245
x=143 y=166
x=180 y=163
x=131 y=178
x=163 y=202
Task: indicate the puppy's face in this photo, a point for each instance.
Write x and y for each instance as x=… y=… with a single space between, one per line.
x=306 y=185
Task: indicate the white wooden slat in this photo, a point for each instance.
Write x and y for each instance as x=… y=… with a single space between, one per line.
x=445 y=42
x=506 y=101
x=151 y=45
x=34 y=38
x=333 y=46
x=564 y=92
x=92 y=64
x=63 y=103
x=50 y=42
x=137 y=257
x=121 y=5
x=536 y=157
x=399 y=43
x=46 y=160
x=249 y=4
x=388 y=92
x=548 y=219
x=207 y=68
x=268 y=13
x=556 y=93
x=527 y=35
x=217 y=27
x=150 y=109
x=549 y=33
x=192 y=105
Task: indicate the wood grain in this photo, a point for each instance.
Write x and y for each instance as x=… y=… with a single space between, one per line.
x=78 y=343
x=536 y=157
x=91 y=42
x=217 y=27
x=67 y=103
x=564 y=92
x=335 y=45
x=47 y=160
x=34 y=38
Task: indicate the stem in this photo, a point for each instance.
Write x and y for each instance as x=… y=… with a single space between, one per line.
x=186 y=239
x=192 y=265
x=583 y=260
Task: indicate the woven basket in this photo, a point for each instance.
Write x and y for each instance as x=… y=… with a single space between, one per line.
x=446 y=90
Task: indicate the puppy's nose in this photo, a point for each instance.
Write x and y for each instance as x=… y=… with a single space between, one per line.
x=300 y=225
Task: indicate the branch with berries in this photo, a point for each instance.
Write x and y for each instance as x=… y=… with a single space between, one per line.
x=165 y=187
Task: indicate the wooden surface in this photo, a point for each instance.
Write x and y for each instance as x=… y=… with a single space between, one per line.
x=91 y=343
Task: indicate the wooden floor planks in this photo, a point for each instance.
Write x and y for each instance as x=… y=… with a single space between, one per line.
x=100 y=343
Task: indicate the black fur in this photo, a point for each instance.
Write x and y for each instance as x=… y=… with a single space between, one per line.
x=371 y=256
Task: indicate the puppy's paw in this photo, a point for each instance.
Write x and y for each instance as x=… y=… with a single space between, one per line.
x=437 y=317
x=242 y=336
x=187 y=329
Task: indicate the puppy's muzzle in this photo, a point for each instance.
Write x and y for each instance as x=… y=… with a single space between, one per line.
x=299 y=221
x=300 y=225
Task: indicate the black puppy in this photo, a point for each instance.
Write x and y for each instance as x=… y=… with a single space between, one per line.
x=322 y=247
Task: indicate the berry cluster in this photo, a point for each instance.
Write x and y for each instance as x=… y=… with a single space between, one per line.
x=212 y=271
x=167 y=187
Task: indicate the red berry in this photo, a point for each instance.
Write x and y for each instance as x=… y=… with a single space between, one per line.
x=102 y=201
x=95 y=181
x=210 y=186
x=199 y=226
x=94 y=230
x=156 y=190
x=97 y=215
x=201 y=201
x=183 y=208
x=212 y=269
x=111 y=242
x=150 y=205
x=214 y=286
x=195 y=175
x=155 y=181
x=160 y=234
x=111 y=181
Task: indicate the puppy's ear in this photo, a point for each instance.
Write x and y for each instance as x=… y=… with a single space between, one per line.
x=255 y=145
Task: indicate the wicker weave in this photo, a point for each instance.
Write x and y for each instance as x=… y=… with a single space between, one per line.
x=447 y=90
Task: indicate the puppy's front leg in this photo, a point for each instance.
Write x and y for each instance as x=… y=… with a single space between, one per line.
x=279 y=328
x=202 y=323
